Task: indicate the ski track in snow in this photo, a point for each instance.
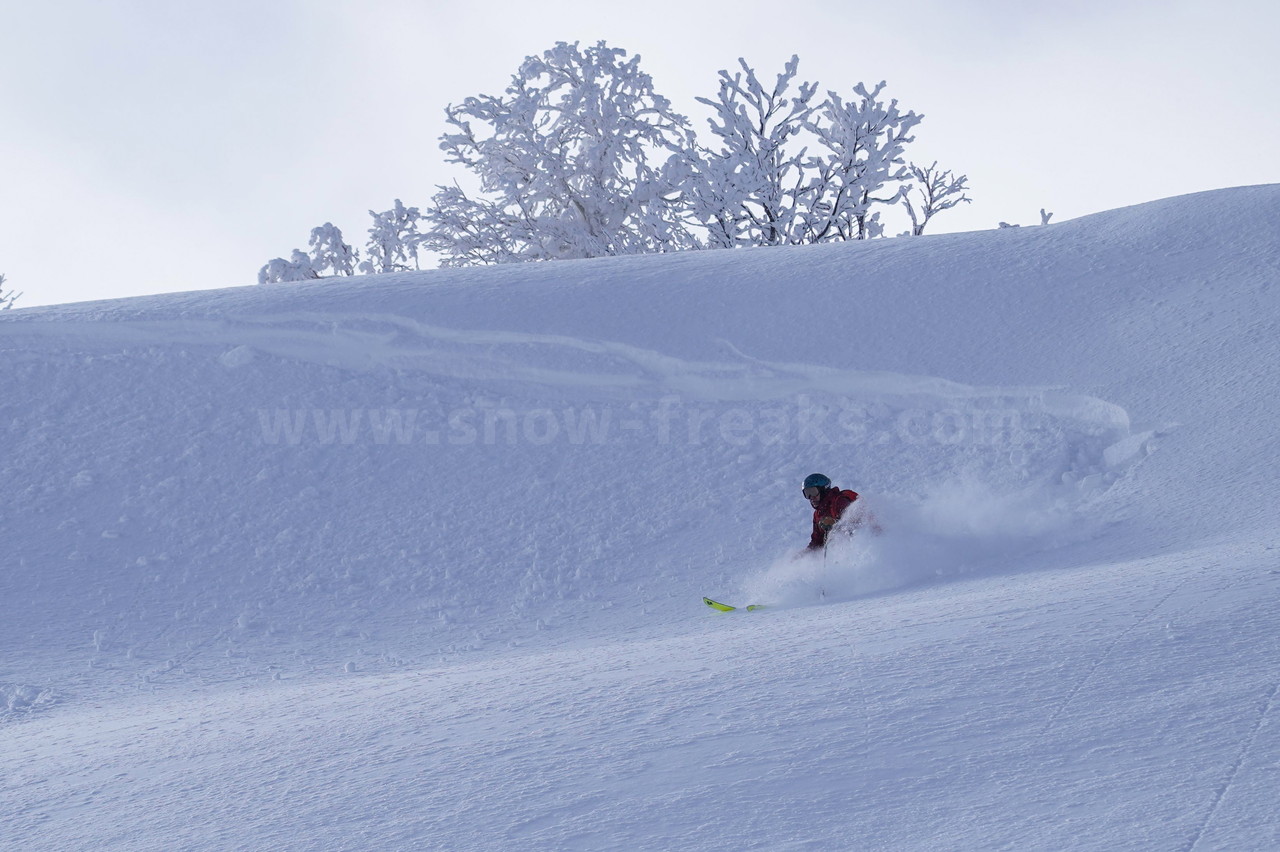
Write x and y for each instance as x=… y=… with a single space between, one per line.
x=1246 y=747
x=369 y=341
x=1102 y=658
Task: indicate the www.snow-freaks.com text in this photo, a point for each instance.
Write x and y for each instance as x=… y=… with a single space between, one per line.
x=669 y=420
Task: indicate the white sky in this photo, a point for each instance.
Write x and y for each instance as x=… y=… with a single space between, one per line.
x=158 y=145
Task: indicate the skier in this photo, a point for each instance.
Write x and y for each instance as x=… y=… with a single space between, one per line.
x=829 y=504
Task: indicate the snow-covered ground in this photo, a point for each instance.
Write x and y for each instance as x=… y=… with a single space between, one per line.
x=416 y=561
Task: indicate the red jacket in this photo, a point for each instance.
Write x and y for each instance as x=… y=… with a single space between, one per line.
x=831 y=505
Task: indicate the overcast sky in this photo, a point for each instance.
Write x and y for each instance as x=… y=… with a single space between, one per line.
x=159 y=145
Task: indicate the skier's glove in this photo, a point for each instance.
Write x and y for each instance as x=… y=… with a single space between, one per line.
x=826 y=524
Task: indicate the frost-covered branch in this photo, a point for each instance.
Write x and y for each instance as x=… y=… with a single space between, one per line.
x=863 y=143
x=763 y=187
x=478 y=231
x=7 y=298
x=748 y=191
x=940 y=190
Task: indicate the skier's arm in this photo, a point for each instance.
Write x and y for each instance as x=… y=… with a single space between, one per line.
x=819 y=536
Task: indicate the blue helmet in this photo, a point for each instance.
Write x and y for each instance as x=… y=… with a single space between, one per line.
x=817 y=480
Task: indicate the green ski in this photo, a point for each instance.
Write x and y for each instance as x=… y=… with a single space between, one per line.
x=722 y=607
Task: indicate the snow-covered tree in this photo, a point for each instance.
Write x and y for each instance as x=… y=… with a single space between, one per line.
x=6 y=299
x=329 y=251
x=861 y=148
x=580 y=157
x=939 y=190
x=394 y=240
x=569 y=162
x=749 y=191
x=297 y=268
x=761 y=187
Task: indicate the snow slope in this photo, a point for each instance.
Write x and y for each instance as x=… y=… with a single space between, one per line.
x=416 y=561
